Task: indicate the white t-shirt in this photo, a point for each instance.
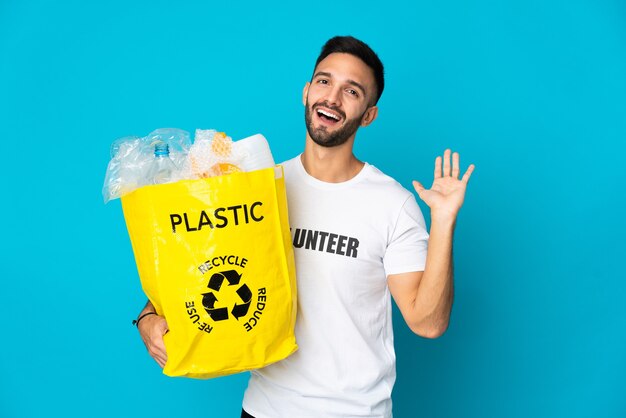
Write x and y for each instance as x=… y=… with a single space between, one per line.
x=347 y=238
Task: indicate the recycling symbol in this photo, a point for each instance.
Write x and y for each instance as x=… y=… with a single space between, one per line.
x=215 y=283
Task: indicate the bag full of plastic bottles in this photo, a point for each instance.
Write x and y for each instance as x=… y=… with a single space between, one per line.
x=209 y=228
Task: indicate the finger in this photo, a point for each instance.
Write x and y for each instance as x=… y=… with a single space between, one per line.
x=158 y=349
x=159 y=361
x=468 y=173
x=437 y=167
x=418 y=187
x=455 y=165
x=446 y=163
x=162 y=360
x=158 y=356
x=164 y=328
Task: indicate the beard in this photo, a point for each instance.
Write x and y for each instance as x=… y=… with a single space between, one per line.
x=321 y=136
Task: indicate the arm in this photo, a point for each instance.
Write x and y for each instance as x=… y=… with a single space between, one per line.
x=425 y=298
x=152 y=328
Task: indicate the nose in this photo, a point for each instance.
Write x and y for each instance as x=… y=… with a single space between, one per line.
x=334 y=96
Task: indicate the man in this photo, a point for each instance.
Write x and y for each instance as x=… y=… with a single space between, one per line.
x=372 y=244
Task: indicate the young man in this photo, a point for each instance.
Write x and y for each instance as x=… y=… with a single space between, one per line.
x=370 y=243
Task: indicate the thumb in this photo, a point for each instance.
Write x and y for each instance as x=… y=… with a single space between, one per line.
x=418 y=187
x=163 y=327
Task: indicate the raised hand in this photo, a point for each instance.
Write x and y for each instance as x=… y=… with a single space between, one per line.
x=445 y=196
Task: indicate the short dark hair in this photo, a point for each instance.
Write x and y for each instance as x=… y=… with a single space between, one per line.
x=352 y=46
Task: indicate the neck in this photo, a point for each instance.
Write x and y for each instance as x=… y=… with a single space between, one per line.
x=331 y=165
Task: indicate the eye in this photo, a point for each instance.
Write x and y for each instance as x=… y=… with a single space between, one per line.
x=322 y=81
x=352 y=92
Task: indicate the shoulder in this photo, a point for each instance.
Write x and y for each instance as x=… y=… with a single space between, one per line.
x=291 y=164
x=379 y=182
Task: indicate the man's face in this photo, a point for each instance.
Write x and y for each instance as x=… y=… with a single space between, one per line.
x=337 y=99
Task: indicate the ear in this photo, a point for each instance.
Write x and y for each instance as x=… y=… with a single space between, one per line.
x=305 y=92
x=370 y=115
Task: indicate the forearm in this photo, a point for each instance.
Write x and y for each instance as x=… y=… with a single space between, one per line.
x=435 y=293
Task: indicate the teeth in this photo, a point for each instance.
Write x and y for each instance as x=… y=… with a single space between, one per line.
x=330 y=115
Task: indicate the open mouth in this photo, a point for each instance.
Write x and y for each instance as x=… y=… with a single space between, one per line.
x=327 y=116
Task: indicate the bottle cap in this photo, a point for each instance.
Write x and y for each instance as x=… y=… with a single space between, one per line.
x=161 y=148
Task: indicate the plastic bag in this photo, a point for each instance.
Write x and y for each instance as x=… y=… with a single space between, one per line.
x=215 y=258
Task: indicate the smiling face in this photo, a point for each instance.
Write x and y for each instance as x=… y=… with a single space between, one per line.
x=337 y=100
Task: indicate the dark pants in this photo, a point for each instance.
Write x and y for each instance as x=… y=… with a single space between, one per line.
x=244 y=414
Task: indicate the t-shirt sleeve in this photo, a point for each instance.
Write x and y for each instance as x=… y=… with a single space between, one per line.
x=408 y=245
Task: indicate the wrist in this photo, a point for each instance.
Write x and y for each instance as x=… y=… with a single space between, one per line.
x=442 y=219
x=142 y=316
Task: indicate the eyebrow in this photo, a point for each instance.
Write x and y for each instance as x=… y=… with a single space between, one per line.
x=351 y=82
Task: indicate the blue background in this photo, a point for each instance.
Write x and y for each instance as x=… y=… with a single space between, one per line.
x=532 y=92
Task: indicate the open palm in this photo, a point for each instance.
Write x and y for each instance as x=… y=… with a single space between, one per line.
x=446 y=195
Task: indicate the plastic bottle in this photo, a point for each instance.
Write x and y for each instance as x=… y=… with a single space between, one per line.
x=162 y=169
x=257 y=152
